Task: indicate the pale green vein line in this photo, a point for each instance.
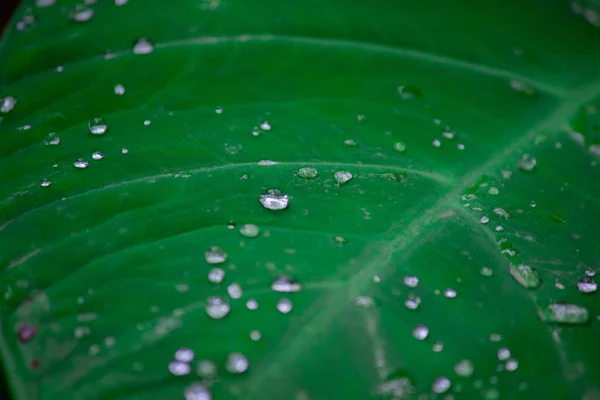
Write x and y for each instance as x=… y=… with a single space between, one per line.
x=352 y=167
x=307 y=330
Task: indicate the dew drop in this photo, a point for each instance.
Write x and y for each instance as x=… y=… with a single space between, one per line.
x=249 y=231
x=179 y=368
x=436 y=143
x=412 y=303
x=559 y=285
x=526 y=276
x=503 y=354
x=532 y=204
x=340 y=240
x=493 y=191
x=215 y=255
x=587 y=285
x=487 y=272
x=52 y=139
x=82 y=15
x=119 y=90
x=97 y=156
x=124 y=151
x=236 y=363
x=400 y=147
x=45 y=183
x=219 y=111
x=196 y=391
x=231 y=224
x=235 y=290
x=217 y=307
x=184 y=355
x=437 y=347
x=7 y=104
x=307 y=173
x=464 y=368
x=97 y=126
x=80 y=163
x=460 y=146
x=409 y=92
x=448 y=134
x=342 y=177
x=411 y=281
x=450 y=293
x=364 y=301
x=484 y=220
x=143 y=46
x=562 y=313
x=255 y=335
x=511 y=365
x=284 y=306
x=590 y=272
x=216 y=275
x=527 y=163
x=252 y=304
x=206 y=369
x=420 y=332
x=495 y=337
x=441 y=385
x=265 y=126
x=285 y=284
x=120 y=2
x=274 y=199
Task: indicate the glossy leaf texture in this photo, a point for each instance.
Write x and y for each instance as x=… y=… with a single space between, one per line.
x=431 y=230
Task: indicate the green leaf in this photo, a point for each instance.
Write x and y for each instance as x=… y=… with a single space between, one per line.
x=358 y=199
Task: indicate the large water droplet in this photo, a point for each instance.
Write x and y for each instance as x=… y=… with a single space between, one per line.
x=562 y=313
x=265 y=126
x=503 y=354
x=587 y=285
x=52 y=139
x=196 y=391
x=184 y=355
x=143 y=46
x=215 y=255
x=526 y=276
x=236 y=363
x=217 y=307
x=179 y=368
x=97 y=126
x=441 y=385
x=274 y=199
x=342 y=177
x=235 y=290
x=249 y=230
x=308 y=173
x=464 y=368
x=8 y=104
x=80 y=163
x=420 y=332
x=286 y=284
x=590 y=272
x=411 y=281
x=527 y=163
x=284 y=306
x=216 y=275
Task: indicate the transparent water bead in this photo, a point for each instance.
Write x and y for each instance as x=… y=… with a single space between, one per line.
x=196 y=391
x=285 y=284
x=52 y=139
x=217 y=307
x=251 y=304
x=441 y=385
x=124 y=151
x=503 y=354
x=464 y=368
x=559 y=285
x=587 y=285
x=249 y=231
x=437 y=347
x=487 y=272
x=235 y=291
x=400 y=147
x=184 y=355
x=97 y=126
x=82 y=15
x=119 y=90
x=216 y=275
x=511 y=364
x=274 y=199
x=215 y=255
x=308 y=173
x=143 y=46
x=364 y=301
x=590 y=272
x=80 y=163
x=563 y=313
x=255 y=335
x=484 y=220
x=493 y=191
x=179 y=368
x=265 y=126
x=7 y=104
x=350 y=143
x=284 y=306
x=342 y=177
x=411 y=281
x=206 y=369
x=97 y=156
x=412 y=303
x=526 y=276
x=236 y=363
x=450 y=293
x=420 y=332
x=527 y=163
x=45 y=183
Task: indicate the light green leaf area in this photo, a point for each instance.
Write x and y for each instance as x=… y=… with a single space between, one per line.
x=470 y=132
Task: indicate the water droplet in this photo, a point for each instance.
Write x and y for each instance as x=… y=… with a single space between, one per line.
x=563 y=313
x=219 y=111
x=340 y=240
x=436 y=143
x=590 y=272
x=255 y=335
x=265 y=126
x=8 y=104
x=147 y=122
x=267 y=162
x=511 y=364
x=196 y=391
x=184 y=355
x=250 y=230
x=398 y=388
x=437 y=346
x=97 y=126
x=124 y=151
x=499 y=228
x=286 y=284
x=532 y=204
x=82 y=15
x=45 y=183
x=503 y=354
x=448 y=134
x=412 y=303
x=251 y=304
x=342 y=177
x=441 y=385
x=284 y=306
x=523 y=88
x=80 y=163
x=217 y=307
x=493 y=191
x=400 y=147
x=364 y=301
x=409 y=92
x=527 y=163
x=307 y=173
x=52 y=139
x=236 y=363
x=559 y=285
x=587 y=285
x=215 y=255
x=484 y=220
x=119 y=90
x=274 y=199
x=143 y=46
x=411 y=281
x=97 y=156
x=501 y=213
x=206 y=369
x=26 y=333
x=120 y=2
x=235 y=290
x=526 y=276
x=487 y=272
x=420 y=332
x=179 y=368
x=216 y=275
x=464 y=368
x=44 y=3
x=450 y=293
x=460 y=146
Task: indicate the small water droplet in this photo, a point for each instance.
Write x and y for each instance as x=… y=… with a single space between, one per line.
x=527 y=163
x=143 y=46
x=364 y=301
x=80 y=163
x=460 y=146
x=493 y=191
x=532 y=204
x=216 y=275
x=307 y=173
x=511 y=364
x=255 y=335
x=206 y=369
x=284 y=306
x=340 y=240
x=8 y=104
x=265 y=126
x=236 y=363
x=124 y=151
x=219 y=111
x=342 y=177
x=409 y=92
x=97 y=156
x=52 y=139
x=526 y=276
x=464 y=368
x=250 y=230
x=484 y=220
x=587 y=285
x=350 y=143
x=400 y=147
x=436 y=143
x=274 y=199
x=196 y=391
x=411 y=281
x=252 y=304
x=503 y=354
x=97 y=126
x=82 y=15
x=559 y=285
x=217 y=307
x=119 y=90
x=412 y=303
x=215 y=255
x=184 y=355
x=45 y=183
x=441 y=385
x=563 y=313
x=499 y=228
x=495 y=337
x=450 y=293
x=120 y=2
x=420 y=332
x=437 y=347
x=286 y=284
x=235 y=290
x=179 y=368
x=487 y=272
x=147 y=122
x=448 y=134
x=590 y=272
